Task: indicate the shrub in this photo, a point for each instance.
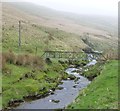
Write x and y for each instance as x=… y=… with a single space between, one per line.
x=9 y=57
x=27 y=60
x=20 y=60
x=23 y=59
x=110 y=55
x=6 y=70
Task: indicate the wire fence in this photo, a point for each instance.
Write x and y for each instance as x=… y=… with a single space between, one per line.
x=23 y=37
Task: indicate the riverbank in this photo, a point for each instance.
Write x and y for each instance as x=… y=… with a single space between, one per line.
x=27 y=77
x=22 y=82
x=102 y=93
x=61 y=97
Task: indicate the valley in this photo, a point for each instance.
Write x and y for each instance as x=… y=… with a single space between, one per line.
x=28 y=77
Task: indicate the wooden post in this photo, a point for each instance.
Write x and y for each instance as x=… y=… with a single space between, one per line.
x=19 y=36
x=36 y=51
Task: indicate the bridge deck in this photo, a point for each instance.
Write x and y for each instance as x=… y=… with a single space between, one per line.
x=68 y=54
x=60 y=54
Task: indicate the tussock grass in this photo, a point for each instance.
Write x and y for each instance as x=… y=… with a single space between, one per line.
x=22 y=59
x=20 y=81
x=111 y=55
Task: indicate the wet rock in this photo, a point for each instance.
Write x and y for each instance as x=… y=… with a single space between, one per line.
x=42 y=89
x=48 y=61
x=64 y=78
x=26 y=75
x=7 y=109
x=76 y=79
x=50 y=100
x=20 y=78
x=72 y=66
x=72 y=77
x=83 y=64
x=79 y=71
x=60 y=109
x=60 y=88
x=46 y=94
x=61 y=82
x=91 y=77
x=55 y=101
x=33 y=71
x=68 y=78
x=15 y=102
x=38 y=96
x=61 y=62
x=52 y=93
x=53 y=89
x=45 y=71
x=75 y=86
x=32 y=97
x=18 y=100
x=74 y=70
x=77 y=82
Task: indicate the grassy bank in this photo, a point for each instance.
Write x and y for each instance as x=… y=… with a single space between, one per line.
x=102 y=93
x=93 y=71
x=26 y=82
x=0 y=90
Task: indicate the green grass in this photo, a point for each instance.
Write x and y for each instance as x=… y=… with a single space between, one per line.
x=44 y=38
x=93 y=71
x=102 y=93
x=48 y=78
x=0 y=90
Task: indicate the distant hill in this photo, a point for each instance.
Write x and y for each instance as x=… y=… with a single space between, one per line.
x=65 y=30
x=105 y=23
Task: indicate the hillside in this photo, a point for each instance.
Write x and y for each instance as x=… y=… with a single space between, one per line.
x=35 y=35
x=92 y=22
x=46 y=24
x=27 y=76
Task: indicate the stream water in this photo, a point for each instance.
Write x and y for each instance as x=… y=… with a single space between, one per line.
x=64 y=97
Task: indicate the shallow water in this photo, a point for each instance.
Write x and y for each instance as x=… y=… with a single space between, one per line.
x=93 y=62
x=65 y=96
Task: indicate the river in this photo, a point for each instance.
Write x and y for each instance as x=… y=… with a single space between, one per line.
x=62 y=97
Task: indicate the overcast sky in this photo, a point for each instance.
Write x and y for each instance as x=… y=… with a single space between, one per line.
x=100 y=7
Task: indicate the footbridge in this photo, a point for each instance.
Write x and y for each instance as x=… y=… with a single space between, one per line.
x=71 y=54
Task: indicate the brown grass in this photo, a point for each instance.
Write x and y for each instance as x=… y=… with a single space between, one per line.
x=22 y=60
x=1 y=61
x=111 y=55
x=9 y=57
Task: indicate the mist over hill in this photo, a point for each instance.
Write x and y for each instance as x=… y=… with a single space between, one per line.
x=43 y=49
x=106 y=23
x=101 y=31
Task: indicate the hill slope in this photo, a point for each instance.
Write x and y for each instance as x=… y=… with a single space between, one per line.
x=44 y=27
x=34 y=35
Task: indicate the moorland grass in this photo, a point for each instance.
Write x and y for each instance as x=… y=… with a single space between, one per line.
x=102 y=93
x=26 y=80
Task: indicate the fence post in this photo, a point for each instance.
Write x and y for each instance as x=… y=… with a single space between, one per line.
x=19 y=36
x=36 y=51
